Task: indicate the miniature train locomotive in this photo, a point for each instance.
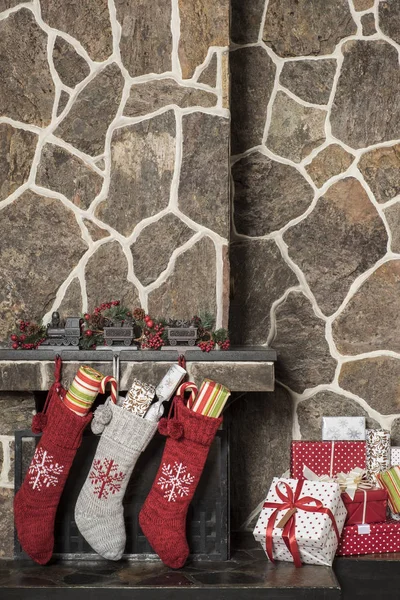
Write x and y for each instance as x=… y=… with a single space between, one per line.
x=63 y=336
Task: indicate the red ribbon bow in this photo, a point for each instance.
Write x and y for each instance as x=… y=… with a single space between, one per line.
x=293 y=501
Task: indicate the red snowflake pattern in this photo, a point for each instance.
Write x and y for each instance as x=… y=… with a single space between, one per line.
x=105 y=477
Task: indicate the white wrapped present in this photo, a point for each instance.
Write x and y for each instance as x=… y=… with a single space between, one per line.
x=301 y=521
x=343 y=428
x=395 y=456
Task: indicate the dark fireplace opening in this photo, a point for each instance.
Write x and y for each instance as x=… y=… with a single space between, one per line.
x=208 y=515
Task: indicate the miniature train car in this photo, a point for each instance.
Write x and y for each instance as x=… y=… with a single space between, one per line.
x=181 y=335
x=123 y=335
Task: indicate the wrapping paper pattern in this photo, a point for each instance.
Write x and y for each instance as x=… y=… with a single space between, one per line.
x=211 y=398
x=368 y=506
x=390 y=481
x=315 y=535
x=383 y=538
x=139 y=398
x=378 y=452
x=343 y=428
x=326 y=458
x=395 y=455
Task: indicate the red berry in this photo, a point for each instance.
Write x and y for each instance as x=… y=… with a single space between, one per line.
x=86 y=316
x=15 y=346
x=22 y=337
x=89 y=332
x=13 y=337
x=150 y=323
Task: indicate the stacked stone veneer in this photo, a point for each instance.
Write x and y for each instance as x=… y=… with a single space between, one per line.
x=114 y=153
x=114 y=169
x=315 y=253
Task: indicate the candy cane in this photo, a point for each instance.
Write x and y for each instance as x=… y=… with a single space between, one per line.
x=188 y=386
x=113 y=383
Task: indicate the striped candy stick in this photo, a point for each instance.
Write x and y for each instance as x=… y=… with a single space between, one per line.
x=113 y=382
x=83 y=390
x=188 y=386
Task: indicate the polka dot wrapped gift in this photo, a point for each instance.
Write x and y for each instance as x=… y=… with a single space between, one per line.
x=301 y=521
x=376 y=538
x=327 y=458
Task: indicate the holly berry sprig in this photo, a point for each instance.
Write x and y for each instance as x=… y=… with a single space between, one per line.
x=31 y=335
x=219 y=336
x=153 y=335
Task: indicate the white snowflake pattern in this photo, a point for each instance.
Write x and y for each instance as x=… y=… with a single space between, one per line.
x=354 y=434
x=105 y=477
x=175 y=481
x=334 y=433
x=43 y=471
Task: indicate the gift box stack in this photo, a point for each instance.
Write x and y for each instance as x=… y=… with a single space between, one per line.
x=337 y=499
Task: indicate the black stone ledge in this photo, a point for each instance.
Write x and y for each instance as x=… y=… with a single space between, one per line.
x=235 y=354
x=246 y=576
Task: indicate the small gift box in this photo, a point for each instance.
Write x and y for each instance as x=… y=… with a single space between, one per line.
x=326 y=458
x=390 y=481
x=367 y=506
x=378 y=452
x=370 y=539
x=301 y=521
x=139 y=398
x=394 y=455
x=343 y=428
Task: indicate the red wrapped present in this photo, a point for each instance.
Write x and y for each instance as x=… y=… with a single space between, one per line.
x=327 y=458
x=376 y=538
x=368 y=506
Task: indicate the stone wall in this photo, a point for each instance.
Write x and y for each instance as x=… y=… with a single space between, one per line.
x=114 y=152
x=315 y=254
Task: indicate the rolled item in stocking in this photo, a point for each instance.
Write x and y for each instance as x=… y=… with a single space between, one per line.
x=378 y=452
x=211 y=398
x=83 y=391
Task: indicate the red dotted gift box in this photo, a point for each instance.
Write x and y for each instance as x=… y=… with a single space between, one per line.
x=376 y=538
x=326 y=458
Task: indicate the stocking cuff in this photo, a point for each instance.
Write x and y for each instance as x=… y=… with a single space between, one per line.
x=197 y=428
x=128 y=429
x=64 y=427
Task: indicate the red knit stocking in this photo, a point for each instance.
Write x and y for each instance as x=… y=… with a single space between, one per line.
x=36 y=502
x=163 y=515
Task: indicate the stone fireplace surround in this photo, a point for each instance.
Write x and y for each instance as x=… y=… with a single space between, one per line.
x=23 y=374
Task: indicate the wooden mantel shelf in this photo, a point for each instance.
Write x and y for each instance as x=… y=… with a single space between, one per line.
x=244 y=369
